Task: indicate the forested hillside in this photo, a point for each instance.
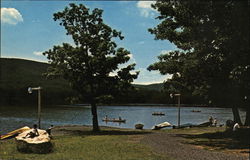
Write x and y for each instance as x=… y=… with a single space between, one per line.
x=18 y=74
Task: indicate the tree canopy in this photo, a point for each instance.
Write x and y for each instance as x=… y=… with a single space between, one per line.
x=92 y=64
x=213 y=58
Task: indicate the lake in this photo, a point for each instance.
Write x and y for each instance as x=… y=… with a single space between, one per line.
x=15 y=117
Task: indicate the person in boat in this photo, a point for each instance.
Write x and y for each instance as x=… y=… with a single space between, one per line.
x=120 y=118
x=33 y=133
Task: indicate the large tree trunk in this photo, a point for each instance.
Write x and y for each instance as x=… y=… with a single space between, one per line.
x=236 y=115
x=94 y=117
x=247 y=121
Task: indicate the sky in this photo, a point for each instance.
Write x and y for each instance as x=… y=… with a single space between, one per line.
x=28 y=29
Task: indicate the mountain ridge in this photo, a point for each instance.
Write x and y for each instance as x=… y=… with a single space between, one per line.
x=152 y=86
x=16 y=75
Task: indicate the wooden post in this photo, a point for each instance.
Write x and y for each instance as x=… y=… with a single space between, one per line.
x=38 y=89
x=39 y=107
x=179 y=107
x=179 y=110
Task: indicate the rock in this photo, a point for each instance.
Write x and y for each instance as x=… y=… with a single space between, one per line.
x=38 y=144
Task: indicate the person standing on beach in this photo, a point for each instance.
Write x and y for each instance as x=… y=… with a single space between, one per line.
x=211 y=120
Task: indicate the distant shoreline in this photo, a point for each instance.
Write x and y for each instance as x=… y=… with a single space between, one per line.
x=147 y=105
x=120 y=105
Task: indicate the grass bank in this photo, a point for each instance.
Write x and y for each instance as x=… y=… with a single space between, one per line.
x=77 y=143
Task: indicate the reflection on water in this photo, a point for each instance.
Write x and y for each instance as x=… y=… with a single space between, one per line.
x=16 y=117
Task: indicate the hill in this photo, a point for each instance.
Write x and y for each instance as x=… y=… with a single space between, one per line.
x=16 y=75
x=155 y=86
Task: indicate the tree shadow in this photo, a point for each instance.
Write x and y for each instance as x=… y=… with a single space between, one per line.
x=221 y=140
x=79 y=132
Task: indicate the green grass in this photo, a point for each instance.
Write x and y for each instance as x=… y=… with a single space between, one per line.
x=88 y=147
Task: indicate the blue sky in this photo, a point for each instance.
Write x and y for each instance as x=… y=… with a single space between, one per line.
x=28 y=29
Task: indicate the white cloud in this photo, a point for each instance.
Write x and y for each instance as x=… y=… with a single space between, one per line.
x=10 y=16
x=145 y=4
x=165 y=51
x=145 y=8
x=38 y=53
x=132 y=59
x=149 y=77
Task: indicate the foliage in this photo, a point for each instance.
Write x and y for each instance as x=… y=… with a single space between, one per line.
x=213 y=56
x=92 y=65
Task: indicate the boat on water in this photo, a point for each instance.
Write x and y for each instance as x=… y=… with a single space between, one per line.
x=14 y=133
x=114 y=120
x=158 y=114
x=195 y=111
x=161 y=125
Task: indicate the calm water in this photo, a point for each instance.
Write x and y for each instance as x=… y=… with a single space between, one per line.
x=16 y=117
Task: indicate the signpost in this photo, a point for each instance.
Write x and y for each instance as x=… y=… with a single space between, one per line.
x=179 y=107
x=39 y=102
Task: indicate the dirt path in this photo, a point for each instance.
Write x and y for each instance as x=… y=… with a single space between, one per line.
x=174 y=146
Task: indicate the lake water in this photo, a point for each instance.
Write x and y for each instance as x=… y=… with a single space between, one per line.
x=15 y=117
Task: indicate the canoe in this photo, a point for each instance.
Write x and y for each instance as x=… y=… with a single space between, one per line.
x=186 y=125
x=14 y=133
x=205 y=124
x=161 y=125
x=195 y=111
x=158 y=114
x=114 y=120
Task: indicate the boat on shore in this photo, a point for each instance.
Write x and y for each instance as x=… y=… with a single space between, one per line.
x=14 y=133
x=158 y=114
x=114 y=120
x=139 y=126
x=161 y=125
x=205 y=124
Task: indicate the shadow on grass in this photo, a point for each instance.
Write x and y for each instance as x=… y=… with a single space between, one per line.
x=221 y=140
x=102 y=132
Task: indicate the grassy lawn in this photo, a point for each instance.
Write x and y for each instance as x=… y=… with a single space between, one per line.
x=79 y=144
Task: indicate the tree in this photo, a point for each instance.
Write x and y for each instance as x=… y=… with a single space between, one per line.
x=212 y=59
x=92 y=65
